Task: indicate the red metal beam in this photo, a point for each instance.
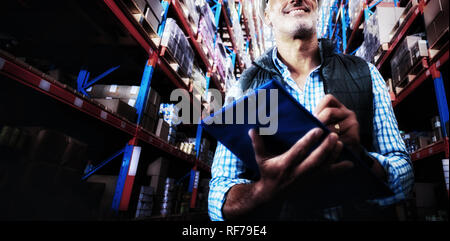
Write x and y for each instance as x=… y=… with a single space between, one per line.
x=433 y=149
x=421 y=78
x=192 y=37
x=145 y=42
x=355 y=29
x=67 y=96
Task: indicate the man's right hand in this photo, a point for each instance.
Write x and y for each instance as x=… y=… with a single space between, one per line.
x=293 y=167
x=279 y=173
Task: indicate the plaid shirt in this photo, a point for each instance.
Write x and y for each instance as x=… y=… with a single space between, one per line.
x=390 y=149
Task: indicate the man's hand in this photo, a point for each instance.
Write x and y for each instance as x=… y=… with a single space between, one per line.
x=343 y=121
x=340 y=120
x=278 y=173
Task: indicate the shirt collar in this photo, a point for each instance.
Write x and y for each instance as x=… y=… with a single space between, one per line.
x=282 y=68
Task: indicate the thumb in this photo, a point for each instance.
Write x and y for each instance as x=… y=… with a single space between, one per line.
x=258 y=144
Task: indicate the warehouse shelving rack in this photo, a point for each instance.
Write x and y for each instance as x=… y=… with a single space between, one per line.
x=430 y=70
x=414 y=13
x=148 y=39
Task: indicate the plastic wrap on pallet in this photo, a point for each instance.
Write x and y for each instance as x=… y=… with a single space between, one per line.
x=354 y=9
x=207 y=13
x=199 y=82
x=192 y=11
x=207 y=34
x=377 y=29
x=174 y=39
x=219 y=58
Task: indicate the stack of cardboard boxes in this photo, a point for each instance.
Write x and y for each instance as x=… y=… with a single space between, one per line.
x=416 y=140
x=118 y=99
x=51 y=166
x=436 y=20
x=377 y=31
x=174 y=39
x=157 y=171
x=207 y=29
x=408 y=53
x=219 y=59
x=150 y=117
x=192 y=12
x=152 y=11
x=169 y=114
x=121 y=99
x=445 y=169
x=145 y=202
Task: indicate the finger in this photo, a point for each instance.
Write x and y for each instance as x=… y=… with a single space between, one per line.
x=332 y=157
x=258 y=144
x=318 y=156
x=336 y=152
x=341 y=168
x=327 y=101
x=332 y=115
x=302 y=146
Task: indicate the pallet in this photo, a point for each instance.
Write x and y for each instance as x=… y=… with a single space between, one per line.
x=384 y=47
x=139 y=16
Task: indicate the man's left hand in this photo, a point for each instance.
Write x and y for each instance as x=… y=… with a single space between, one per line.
x=340 y=120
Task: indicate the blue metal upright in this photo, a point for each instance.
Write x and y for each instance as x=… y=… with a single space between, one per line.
x=441 y=101
x=217 y=5
x=131 y=156
x=121 y=179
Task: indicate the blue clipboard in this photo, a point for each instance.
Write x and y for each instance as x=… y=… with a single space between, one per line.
x=294 y=121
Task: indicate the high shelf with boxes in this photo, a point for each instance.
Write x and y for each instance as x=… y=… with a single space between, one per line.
x=408 y=42
x=104 y=122
x=115 y=113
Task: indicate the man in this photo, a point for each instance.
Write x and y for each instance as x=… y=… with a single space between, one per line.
x=345 y=93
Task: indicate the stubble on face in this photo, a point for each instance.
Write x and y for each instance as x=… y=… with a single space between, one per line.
x=293 y=18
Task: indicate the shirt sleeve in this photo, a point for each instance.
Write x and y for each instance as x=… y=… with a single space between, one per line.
x=226 y=170
x=390 y=150
x=225 y=173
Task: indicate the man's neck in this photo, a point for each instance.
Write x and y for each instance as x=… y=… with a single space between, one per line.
x=301 y=56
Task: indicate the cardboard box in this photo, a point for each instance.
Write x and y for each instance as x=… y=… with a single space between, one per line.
x=147 y=190
x=419 y=50
x=75 y=154
x=130 y=102
x=162 y=129
x=156 y=8
x=108 y=194
x=152 y=19
x=157 y=183
x=402 y=60
x=423 y=141
x=158 y=167
x=119 y=107
x=141 y=4
x=48 y=146
x=114 y=91
x=149 y=123
x=436 y=16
